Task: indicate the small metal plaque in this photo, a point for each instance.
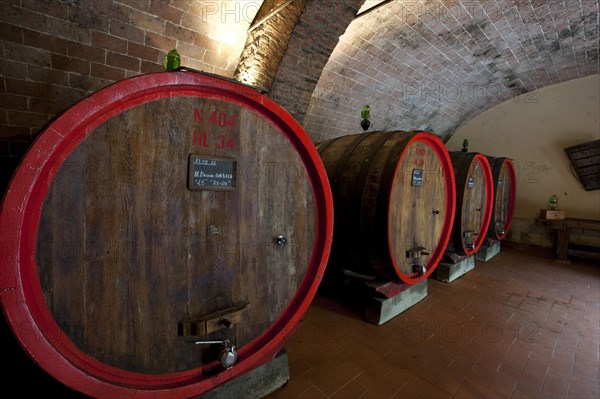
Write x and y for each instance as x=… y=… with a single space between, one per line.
x=417 y=177
x=499 y=182
x=471 y=182
x=211 y=173
x=214 y=229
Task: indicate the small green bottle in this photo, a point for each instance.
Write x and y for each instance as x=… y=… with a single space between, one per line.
x=172 y=60
x=553 y=201
x=465 y=145
x=366 y=112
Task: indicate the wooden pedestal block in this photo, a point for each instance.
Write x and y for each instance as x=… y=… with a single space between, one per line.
x=488 y=250
x=380 y=308
x=448 y=272
x=257 y=383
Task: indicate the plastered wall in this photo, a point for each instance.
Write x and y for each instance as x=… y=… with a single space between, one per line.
x=533 y=129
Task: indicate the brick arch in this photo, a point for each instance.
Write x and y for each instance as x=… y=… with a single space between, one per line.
x=427 y=65
x=288 y=46
x=435 y=65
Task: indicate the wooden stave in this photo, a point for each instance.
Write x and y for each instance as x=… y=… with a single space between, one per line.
x=462 y=162
x=497 y=164
x=22 y=301
x=378 y=253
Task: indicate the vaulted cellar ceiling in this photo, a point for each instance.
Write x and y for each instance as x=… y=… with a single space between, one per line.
x=434 y=65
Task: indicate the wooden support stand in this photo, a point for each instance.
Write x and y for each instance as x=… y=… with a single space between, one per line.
x=257 y=383
x=456 y=267
x=488 y=250
x=378 y=300
x=563 y=228
x=385 y=300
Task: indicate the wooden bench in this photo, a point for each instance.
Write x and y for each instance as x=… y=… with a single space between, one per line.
x=563 y=233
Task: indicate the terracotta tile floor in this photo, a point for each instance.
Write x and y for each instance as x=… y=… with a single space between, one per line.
x=518 y=326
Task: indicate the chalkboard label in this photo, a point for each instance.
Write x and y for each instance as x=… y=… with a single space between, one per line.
x=417 y=177
x=471 y=182
x=211 y=173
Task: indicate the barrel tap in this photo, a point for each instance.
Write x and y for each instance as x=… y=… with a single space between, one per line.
x=468 y=239
x=499 y=228
x=418 y=266
x=228 y=355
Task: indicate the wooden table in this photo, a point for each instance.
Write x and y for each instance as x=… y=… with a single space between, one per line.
x=563 y=232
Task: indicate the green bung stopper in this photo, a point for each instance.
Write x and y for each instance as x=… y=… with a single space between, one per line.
x=553 y=201
x=172 y=60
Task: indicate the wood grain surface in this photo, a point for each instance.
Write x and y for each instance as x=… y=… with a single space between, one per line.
x=473 y=201
x=380 y=215
x=127 y=252
x=504 y=181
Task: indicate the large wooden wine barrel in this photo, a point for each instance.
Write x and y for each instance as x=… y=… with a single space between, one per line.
x=163 y=211
x=474 y=201
x=505 y=190
x=394 y=199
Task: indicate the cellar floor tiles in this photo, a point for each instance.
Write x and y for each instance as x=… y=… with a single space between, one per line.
x=520 y=325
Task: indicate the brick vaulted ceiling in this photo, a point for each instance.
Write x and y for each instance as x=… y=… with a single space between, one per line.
x=433 y=65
